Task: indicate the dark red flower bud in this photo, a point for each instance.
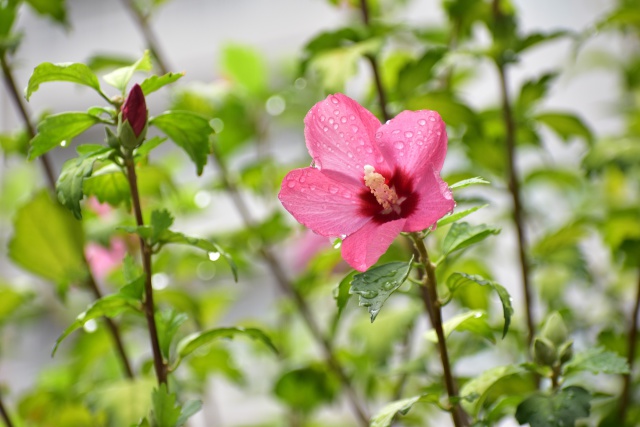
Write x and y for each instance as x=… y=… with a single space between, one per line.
x=135 y=110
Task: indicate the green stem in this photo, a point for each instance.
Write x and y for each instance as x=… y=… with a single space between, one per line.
x=149 y=36
x=429 y=290
x=289 y=289
x=514 y=189
x=632 y=341
x=51 y=182
x=149 y=307
x=5 y=414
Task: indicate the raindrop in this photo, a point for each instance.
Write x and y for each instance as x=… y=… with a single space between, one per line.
x=337 y=244
x=438 y=133
x=343 y=119
x=354 y=128
x=395 y=132
x=331 y=121
x=312 y=187
x=214 y=256
x=335 y=126
x=368 y=149
x=422 y=122
x=361 y=142
x=159 y=281
x=323 y=118
x=378 y=135
x=352 y=117
x=419 y=141
x=334 y=100
x=63 y=143
x=336 y=112
x=90 y=326
x=388 y=285
x=333 y=189
x=341 y=136
x=477 y=315
x=291 y=184
x=379 y=159
x=302 y=178
x=433 y=119
x=350 y=154
x=399 y=145
x=369 y=294
x=408 y=134
x=346 y=195
x=325 y=129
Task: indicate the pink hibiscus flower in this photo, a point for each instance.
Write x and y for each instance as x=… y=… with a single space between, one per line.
x=103 y=260
x=369 y=181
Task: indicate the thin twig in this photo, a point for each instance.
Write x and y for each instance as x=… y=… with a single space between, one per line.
x=5 y=415
x=632 y=338
x=289 y=289
x=432 y=306
x=518 y=212
x=149 y=307
x=382 y=97
x=51 y=182
x=149 y=36
x=22 y=109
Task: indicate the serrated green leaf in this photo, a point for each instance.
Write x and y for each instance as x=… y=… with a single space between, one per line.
x=385 y=416
x=306 y=388
x=457 y=280
x=65 y=72
x=245 y=66
x=120 y=78
x=561 y=409
x=108 y=187
x=480 y=387
x=458 y=215
x=160 y=222
x=165 y=411
x=376 y=285
x=56 y=128
x=149 y=145
x=566 y=126
x=534 y=90
x=472 y=321
x=462 y=235
x=597 y=361
x=69 y=186
x=106 y=61
x=468 y=182
x=108 y=306
x=189 y=131
x=194 y=341
x=153 y=83
x=48 y=241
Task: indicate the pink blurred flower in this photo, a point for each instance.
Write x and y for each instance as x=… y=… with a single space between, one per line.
x=103 y=260
x=100 y=209
x=370 y=181
x=306 y=247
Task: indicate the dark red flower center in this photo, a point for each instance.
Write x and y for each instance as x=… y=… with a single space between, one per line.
x=392 y=200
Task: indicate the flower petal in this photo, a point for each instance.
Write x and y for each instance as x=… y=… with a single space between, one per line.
x=364 y=247
x=414 y=141
x=327 y=204
x=340 y=136
x=434 y=201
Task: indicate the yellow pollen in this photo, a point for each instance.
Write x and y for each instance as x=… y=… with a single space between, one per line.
x=386 y=196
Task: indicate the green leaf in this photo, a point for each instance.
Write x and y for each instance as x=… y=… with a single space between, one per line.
x=10 y=302
x=597 y=360
x=120 y=78
x=468 y=182
x=562 y=409
x=194 y=341
x=161 y=220
x=168 y=324
x=58 y=128
x=69 y=186
x=376 y=285
x=149 y=145
x=245 y=66
x=56 y=9
x=107 y=61
x=533 y=91
x=306 y=388
x=473 y=321
x=48 y=241
x=462 y=235
x=67 y=72
x=213 y=249
x=454 y=112
x=190 y=131
x=385 y=416
x=341 y=294
x=480 y=387
x=566 y=125
x=457 y=280
x=534 y=39
x=189 y=409
x=153 y=83
x=165 y=411
x=108 y=306
x=108 y=186
x=458 y=215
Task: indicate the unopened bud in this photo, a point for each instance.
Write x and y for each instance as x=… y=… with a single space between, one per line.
x=544 y=352
x=134 y=110
x=566 y=352
x=555 y=330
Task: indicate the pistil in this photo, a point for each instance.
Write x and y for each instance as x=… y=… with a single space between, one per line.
x=385 y=195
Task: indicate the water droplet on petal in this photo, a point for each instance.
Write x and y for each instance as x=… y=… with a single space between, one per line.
x=336 y=126
x=333 y=189
x=291 y=184
x=378 y=135
x=399 y=145
x=368 y=149
x=312 y=187
x=422 y=122
x=323 y=118
x=361 y=142
x=341 y=134
x=419 y=141
x=408 y=134
x=302 y=178
x=334 y=100
x=379 y=159
x=325 y=129
x=438 y=133
x=343 y=119
x=354 y=128
x=433 y=119
x=346 y=195
x=350 y=154
x=331 y=121
x=352 y=117
x=336 y=112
